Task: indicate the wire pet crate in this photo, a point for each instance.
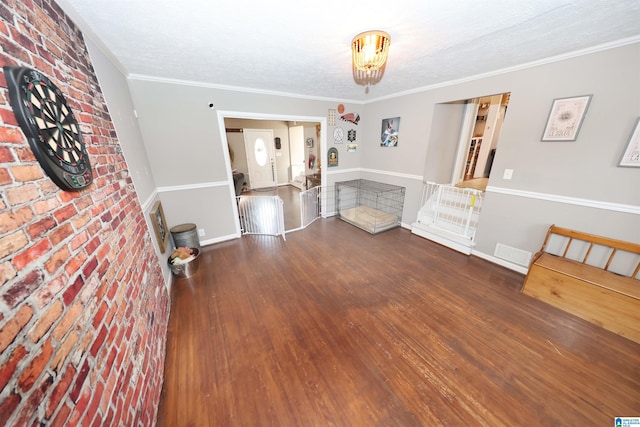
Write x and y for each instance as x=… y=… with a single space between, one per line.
x=370 y=205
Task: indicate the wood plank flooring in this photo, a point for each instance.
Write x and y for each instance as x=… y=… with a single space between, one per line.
x=336 y=327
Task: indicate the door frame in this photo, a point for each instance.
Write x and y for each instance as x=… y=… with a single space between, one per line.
x=466 y=135
x=466 y=132
x=222 y=115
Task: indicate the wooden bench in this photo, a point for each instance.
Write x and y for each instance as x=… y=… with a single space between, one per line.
x=579 y=277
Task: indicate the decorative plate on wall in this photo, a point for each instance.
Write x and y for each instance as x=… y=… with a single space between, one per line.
x=50 y=127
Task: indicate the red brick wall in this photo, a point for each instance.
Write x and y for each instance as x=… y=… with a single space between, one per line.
x=83 y=306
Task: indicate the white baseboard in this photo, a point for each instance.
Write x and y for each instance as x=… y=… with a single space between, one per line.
x=443 y=238
x=219 y=239
x=501 y=262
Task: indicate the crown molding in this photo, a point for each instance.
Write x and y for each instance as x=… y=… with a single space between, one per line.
x=143 y=77
x=557 y=58
x=89 y=34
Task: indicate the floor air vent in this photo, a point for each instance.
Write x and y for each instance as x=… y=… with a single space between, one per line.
x=514 y=255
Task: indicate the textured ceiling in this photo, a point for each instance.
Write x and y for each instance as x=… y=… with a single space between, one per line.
x=303 y=48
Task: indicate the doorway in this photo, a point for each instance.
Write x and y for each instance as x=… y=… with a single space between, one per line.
x=479 y=137
x=232 y=126
x=297 y=157
x=462 y=144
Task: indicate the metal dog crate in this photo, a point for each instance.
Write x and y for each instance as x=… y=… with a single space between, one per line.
x=370 y=205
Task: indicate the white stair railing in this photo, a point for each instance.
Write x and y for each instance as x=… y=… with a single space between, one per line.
x=452 y=209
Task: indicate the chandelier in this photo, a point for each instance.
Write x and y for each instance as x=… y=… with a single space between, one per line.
x=370 y=50
x=368 y=78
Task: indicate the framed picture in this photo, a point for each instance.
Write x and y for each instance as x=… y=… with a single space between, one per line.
x=631 y=156
x=389 y=132
x=332 y=157
x=159 y=225
x=309 y=142
x=565 y=118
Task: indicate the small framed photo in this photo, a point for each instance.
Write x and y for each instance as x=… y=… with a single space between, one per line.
x=309 y=142
x=565 y=118
x=631 y=156
x=159 y=225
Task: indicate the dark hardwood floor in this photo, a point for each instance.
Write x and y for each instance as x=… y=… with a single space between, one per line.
x=336 y=327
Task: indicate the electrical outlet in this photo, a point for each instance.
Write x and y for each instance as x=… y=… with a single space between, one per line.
x=508 y=174
x=200 y=232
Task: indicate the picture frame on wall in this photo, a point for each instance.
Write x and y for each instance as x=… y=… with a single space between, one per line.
x=159 y=225
x=389 y=132
x=565 y=118
x=631 y=156
x=332 y=157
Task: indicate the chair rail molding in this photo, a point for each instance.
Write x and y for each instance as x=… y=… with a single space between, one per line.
x=598 y=204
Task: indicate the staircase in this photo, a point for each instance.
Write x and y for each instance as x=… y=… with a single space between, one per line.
x=449 y=216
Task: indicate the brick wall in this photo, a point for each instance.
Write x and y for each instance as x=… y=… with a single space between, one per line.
x=83 y=306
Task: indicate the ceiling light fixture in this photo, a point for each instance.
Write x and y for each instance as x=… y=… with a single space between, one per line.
x=369 y=52
x=368 y=78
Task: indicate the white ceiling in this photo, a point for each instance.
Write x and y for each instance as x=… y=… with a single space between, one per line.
x=303 y=48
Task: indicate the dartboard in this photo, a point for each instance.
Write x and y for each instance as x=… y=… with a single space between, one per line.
x=50 y=127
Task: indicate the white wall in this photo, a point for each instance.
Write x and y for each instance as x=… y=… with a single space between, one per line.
x=574 y=184
x=444 y=136
x=114 y=86
x=188 y=156
x=551 y=179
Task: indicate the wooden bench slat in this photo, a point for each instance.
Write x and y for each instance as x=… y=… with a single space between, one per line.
x=566 y=248
x=599 y=240
x=613 y=253
x=586 y=256
x=591 y=274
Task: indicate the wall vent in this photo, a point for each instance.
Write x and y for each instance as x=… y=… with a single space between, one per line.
x=514 y=255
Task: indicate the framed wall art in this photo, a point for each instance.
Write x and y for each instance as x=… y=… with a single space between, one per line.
x=389 y=132
x=159 y=225
x=332 y=157
x=331 y=117
x=565 y=118
x=631 y=156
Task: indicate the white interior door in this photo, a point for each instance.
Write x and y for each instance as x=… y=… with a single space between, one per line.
x=469 y=120
x=296 y=151
x=261 y=159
